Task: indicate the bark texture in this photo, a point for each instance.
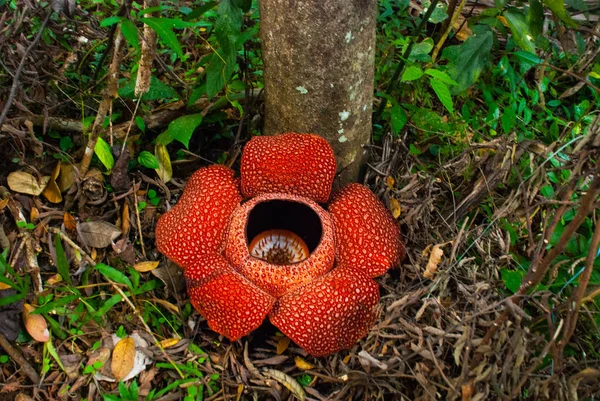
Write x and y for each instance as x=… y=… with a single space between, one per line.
x=318 y=70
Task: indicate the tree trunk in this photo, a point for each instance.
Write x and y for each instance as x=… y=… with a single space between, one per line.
x=318 y=69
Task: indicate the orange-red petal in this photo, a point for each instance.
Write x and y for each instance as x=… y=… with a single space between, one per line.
x=231 y=304
x=366 y=235
x=196 y=225
x=299 y=164
x=278 y=279
x=329 y=314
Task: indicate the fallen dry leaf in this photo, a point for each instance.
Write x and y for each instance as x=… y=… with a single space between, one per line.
x=390 y=181
x=169 y=342
x=4 y=286
x=395 y=208
x=52 y=192
x=434 y=260
x=33 y=214
x=289 y=382
x=125 y=223
x=302 y=364
x=123 y=358
x=146 y=266
x=98 y=234
x=69 y=222
x=282 y=344
x=66 y=176
x=35 y=324
x=25 y=183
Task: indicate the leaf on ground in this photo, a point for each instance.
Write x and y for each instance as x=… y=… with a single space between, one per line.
x=35 y=324
x=287 y=381
x=146 y=266
x=66 y=176
x=302 y=364
x=434 y=260
x=395 y=208
x=69 y=222
x=98 y=234
x=102 y=150
x=169 y=342
x=282 y=344
x=25 y=183
x=123 y=358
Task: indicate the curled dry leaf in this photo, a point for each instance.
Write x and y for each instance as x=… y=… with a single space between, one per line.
x=146 y=266
x=98 y=234
x=66 y=176
x=434 y=260
x=35 y=324
x=289 y=382
x=123 y=358
x=69 y=222
x=25 y=183
x=125 y=223
x=169 y=342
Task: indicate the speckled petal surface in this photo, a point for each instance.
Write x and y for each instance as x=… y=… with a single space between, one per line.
x=329 y=314
x=276 y=279
x=299 y=164
x=366 y=235
x=196 y=225
x=231 y=304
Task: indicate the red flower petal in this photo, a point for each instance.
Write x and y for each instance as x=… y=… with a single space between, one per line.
x=196 y=225
x=329 y=314
x=231 y=304
x=299 y=164
x=278 y=279
x=366 y=235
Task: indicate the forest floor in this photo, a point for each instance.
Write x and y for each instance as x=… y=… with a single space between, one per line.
x=483 y=307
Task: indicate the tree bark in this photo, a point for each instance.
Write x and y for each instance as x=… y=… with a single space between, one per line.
x=319 y=61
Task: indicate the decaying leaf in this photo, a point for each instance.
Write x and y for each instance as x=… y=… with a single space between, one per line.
x=164 y=170
x=98 y=234
x=289 y=382
x=125 y=223
x=69 y=222
x=389 y=180
x=146 y=266
x=35 y=324
x=166 y=304
x=169 y=342
x=395 y=208
x=434 y=260
x=52 y=192
x=66 y=176
x=25 y=183
x=302 y=364
x=282 y=344
x=123 y=358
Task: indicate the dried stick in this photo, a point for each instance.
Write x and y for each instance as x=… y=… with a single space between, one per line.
x=577 y=295
x=109 y=93
x=16 y=355
x=15 y=84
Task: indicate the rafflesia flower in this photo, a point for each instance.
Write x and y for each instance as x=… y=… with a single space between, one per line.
x=263 y=245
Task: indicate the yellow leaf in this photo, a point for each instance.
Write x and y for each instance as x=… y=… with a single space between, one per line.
x=346 y=359
x=35 y=324
x=146 y=266
x=282 y=344
x=169 y=342
x=33 y=214
x=123 y=358
x=4 y=286
x=395 y=206
x=3 y=203
x=434 y=260
x=69 y=222
x=390 y=181
x=25 y=183
x=52 y=192
x=54 y=279
x=302 y=364
x=503 y=20
x=164 y=170
x=289 y=382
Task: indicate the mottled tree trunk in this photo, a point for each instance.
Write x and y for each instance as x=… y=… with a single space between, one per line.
x=318 y=70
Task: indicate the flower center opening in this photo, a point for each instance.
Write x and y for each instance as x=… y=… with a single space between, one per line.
x=280 y=247
x=283 y=232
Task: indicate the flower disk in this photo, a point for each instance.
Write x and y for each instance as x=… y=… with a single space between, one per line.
x=196 y=225
x=330 y=313
x=299 y=164
x=366 y=236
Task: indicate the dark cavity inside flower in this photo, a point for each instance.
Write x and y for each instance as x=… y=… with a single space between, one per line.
x=283 y=232
x=263 y=246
